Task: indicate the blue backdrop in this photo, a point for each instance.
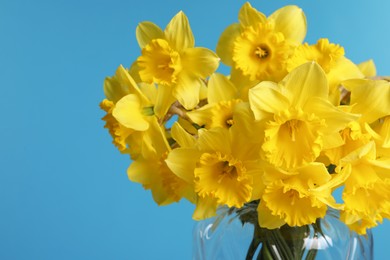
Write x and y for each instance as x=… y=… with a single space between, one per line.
x=64 y=192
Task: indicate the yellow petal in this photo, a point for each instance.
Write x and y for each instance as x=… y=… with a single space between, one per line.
x=266 y=99
x=249 y=16
x=205 y=208
x=134 y=72
x=128 y=112
x=122 y=84
x=368 y=68
x=183 y=138
x=200 y=62
x=141 y=171
x=178 y=32
x=163 y=101
x=291 y=21
x=220 y=88
x=266 y=219
x=305 y=82
x=335 y=118
x=341 y=70
x=187 y=90
x=147 y=31
x=201 y=116
x=155 y=138
x=369 y=98
x=226 y=43
x=215 y=139
x=182 y=162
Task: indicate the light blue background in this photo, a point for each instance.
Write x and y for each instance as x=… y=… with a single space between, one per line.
x=64 y=193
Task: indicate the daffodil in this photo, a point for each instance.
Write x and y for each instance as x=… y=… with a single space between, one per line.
x=258 y=47
x=353 y=137
x=297 y=197
x=128 y=110
x=331 y=58
x=299 y=121
x=223 y=167
x=367 y=190
x=222 y=99
x=170 y=59
x=151 y=170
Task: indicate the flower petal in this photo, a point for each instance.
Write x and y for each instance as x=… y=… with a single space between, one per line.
x=291 y=21
x=343 y=69
x=199 y=61
x=215 y=139
x=182 y=162
x=187 y=90
x=128 y=112
x=178 y=32
x=147 y=31
x=267 y=219
x=370 y=98
x=163 y=101
x=266 y=99
x=304 y=82
x=226 y=43
x=183 y=138
x=201 y=116
x=368 y=68
x=205 y=208
x=335 y=118
x=220 y=88
x=249 y=16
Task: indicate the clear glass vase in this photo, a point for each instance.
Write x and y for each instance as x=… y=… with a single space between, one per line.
x=235 y=234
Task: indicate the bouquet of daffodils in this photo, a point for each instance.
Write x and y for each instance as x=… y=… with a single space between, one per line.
x=289 y=125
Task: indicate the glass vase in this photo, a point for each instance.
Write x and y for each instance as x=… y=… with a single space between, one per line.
x=235 y=234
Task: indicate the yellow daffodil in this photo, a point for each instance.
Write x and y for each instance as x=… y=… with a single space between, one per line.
x=353 y=138
x=170 y=59
x=152 y=172
x=367 y=190
x=259 y=46
x=223 y=167
x=297 y=197
x=222 y=99
x=331 y=58
x=299 y=120
x=128 y=110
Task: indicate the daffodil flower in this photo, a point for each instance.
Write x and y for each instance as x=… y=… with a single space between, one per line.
x=298 y=197
x=170 y=59
x=299 y=121
x=222 y=99
x=152 y=172
x=367 y=190
x=259 y=46
x=128 y=110
x=331 y=58
x=223 y=168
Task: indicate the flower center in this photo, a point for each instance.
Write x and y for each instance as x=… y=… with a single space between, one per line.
x=227 y=170
x=222 y=114
x=159 y=63
x=292 y=128
x=293 y=139
x=224 y=178
x=262 y=51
